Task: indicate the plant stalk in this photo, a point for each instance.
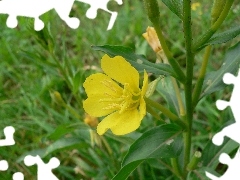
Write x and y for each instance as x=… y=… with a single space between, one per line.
x=176 y=67
x=188 y=85
x=166 y=112
x=176 y=168
x=207 y=35
x=154 y=16
x=198 y=88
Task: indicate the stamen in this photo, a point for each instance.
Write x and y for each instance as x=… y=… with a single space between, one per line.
x=112 y=106
x=122 y=101
x=131 y=99
x=111 y=99
x=109 y=84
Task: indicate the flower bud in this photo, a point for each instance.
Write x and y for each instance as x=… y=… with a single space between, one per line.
x=90 y=120
x=151 y=36
x=57 y=98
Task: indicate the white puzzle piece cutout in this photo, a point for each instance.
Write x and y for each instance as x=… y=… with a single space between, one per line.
x=101 y=4
x=8 y=141
x=36 y=8
x=232 y=172
x=8 y=133
x=232 y=131
x=3 y=165
x=44 y=171
x=18 y=176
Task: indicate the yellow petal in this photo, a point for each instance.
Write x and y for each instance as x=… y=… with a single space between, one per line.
x=102 y=92
x=142 y=108
x=145 y=83
x=120 y=124
x=103 y=85
x=121 y=71
x=94 y=106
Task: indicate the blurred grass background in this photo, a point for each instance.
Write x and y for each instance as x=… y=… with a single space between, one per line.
x=36 y=64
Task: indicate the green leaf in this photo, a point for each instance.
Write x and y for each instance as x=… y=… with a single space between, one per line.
x=60 y=131
x=154 y=144
x=223 y=37
x=62 y=144
x=138 y=61
x=59 y=145
x=210 y=157
x=163 y=141
x=77 y=81
x=127 y=170
x=213 y=80
x=199 y=174
x=175 y=6
x=211 y=153
x=166 y=90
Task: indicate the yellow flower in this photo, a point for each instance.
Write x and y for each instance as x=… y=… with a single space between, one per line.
x=116 y=94
x=194 y=6
x=151 y=36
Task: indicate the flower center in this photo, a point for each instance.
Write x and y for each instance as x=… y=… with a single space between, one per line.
x=127 y=100
x=130 y=99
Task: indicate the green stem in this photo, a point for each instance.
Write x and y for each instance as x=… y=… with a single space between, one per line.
x=194 y=161
x=160 y=107
x=176 y=67
x=198 y=88
x=152 y=112
x=69 y=71
x=154 y=16
x=166 y=112
x=176 y=88
x=64 y=72
x=176 y=168
x=72 y=111
x=169 y=168
x=189 y=77
x=206 y=36
x=106 y=144
x=179 y=98
x=65 y=76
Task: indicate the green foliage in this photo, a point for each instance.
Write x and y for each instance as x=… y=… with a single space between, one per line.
x=210 y=158
x=211 y=152
x=159 y=142
x=166 y=91
x=175 y=6
x=217 y=8
x=58 y=59
x=213 y=81
x=223 y=37
x=138 y=61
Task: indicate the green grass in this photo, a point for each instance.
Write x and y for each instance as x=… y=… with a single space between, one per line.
x=29 y=74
